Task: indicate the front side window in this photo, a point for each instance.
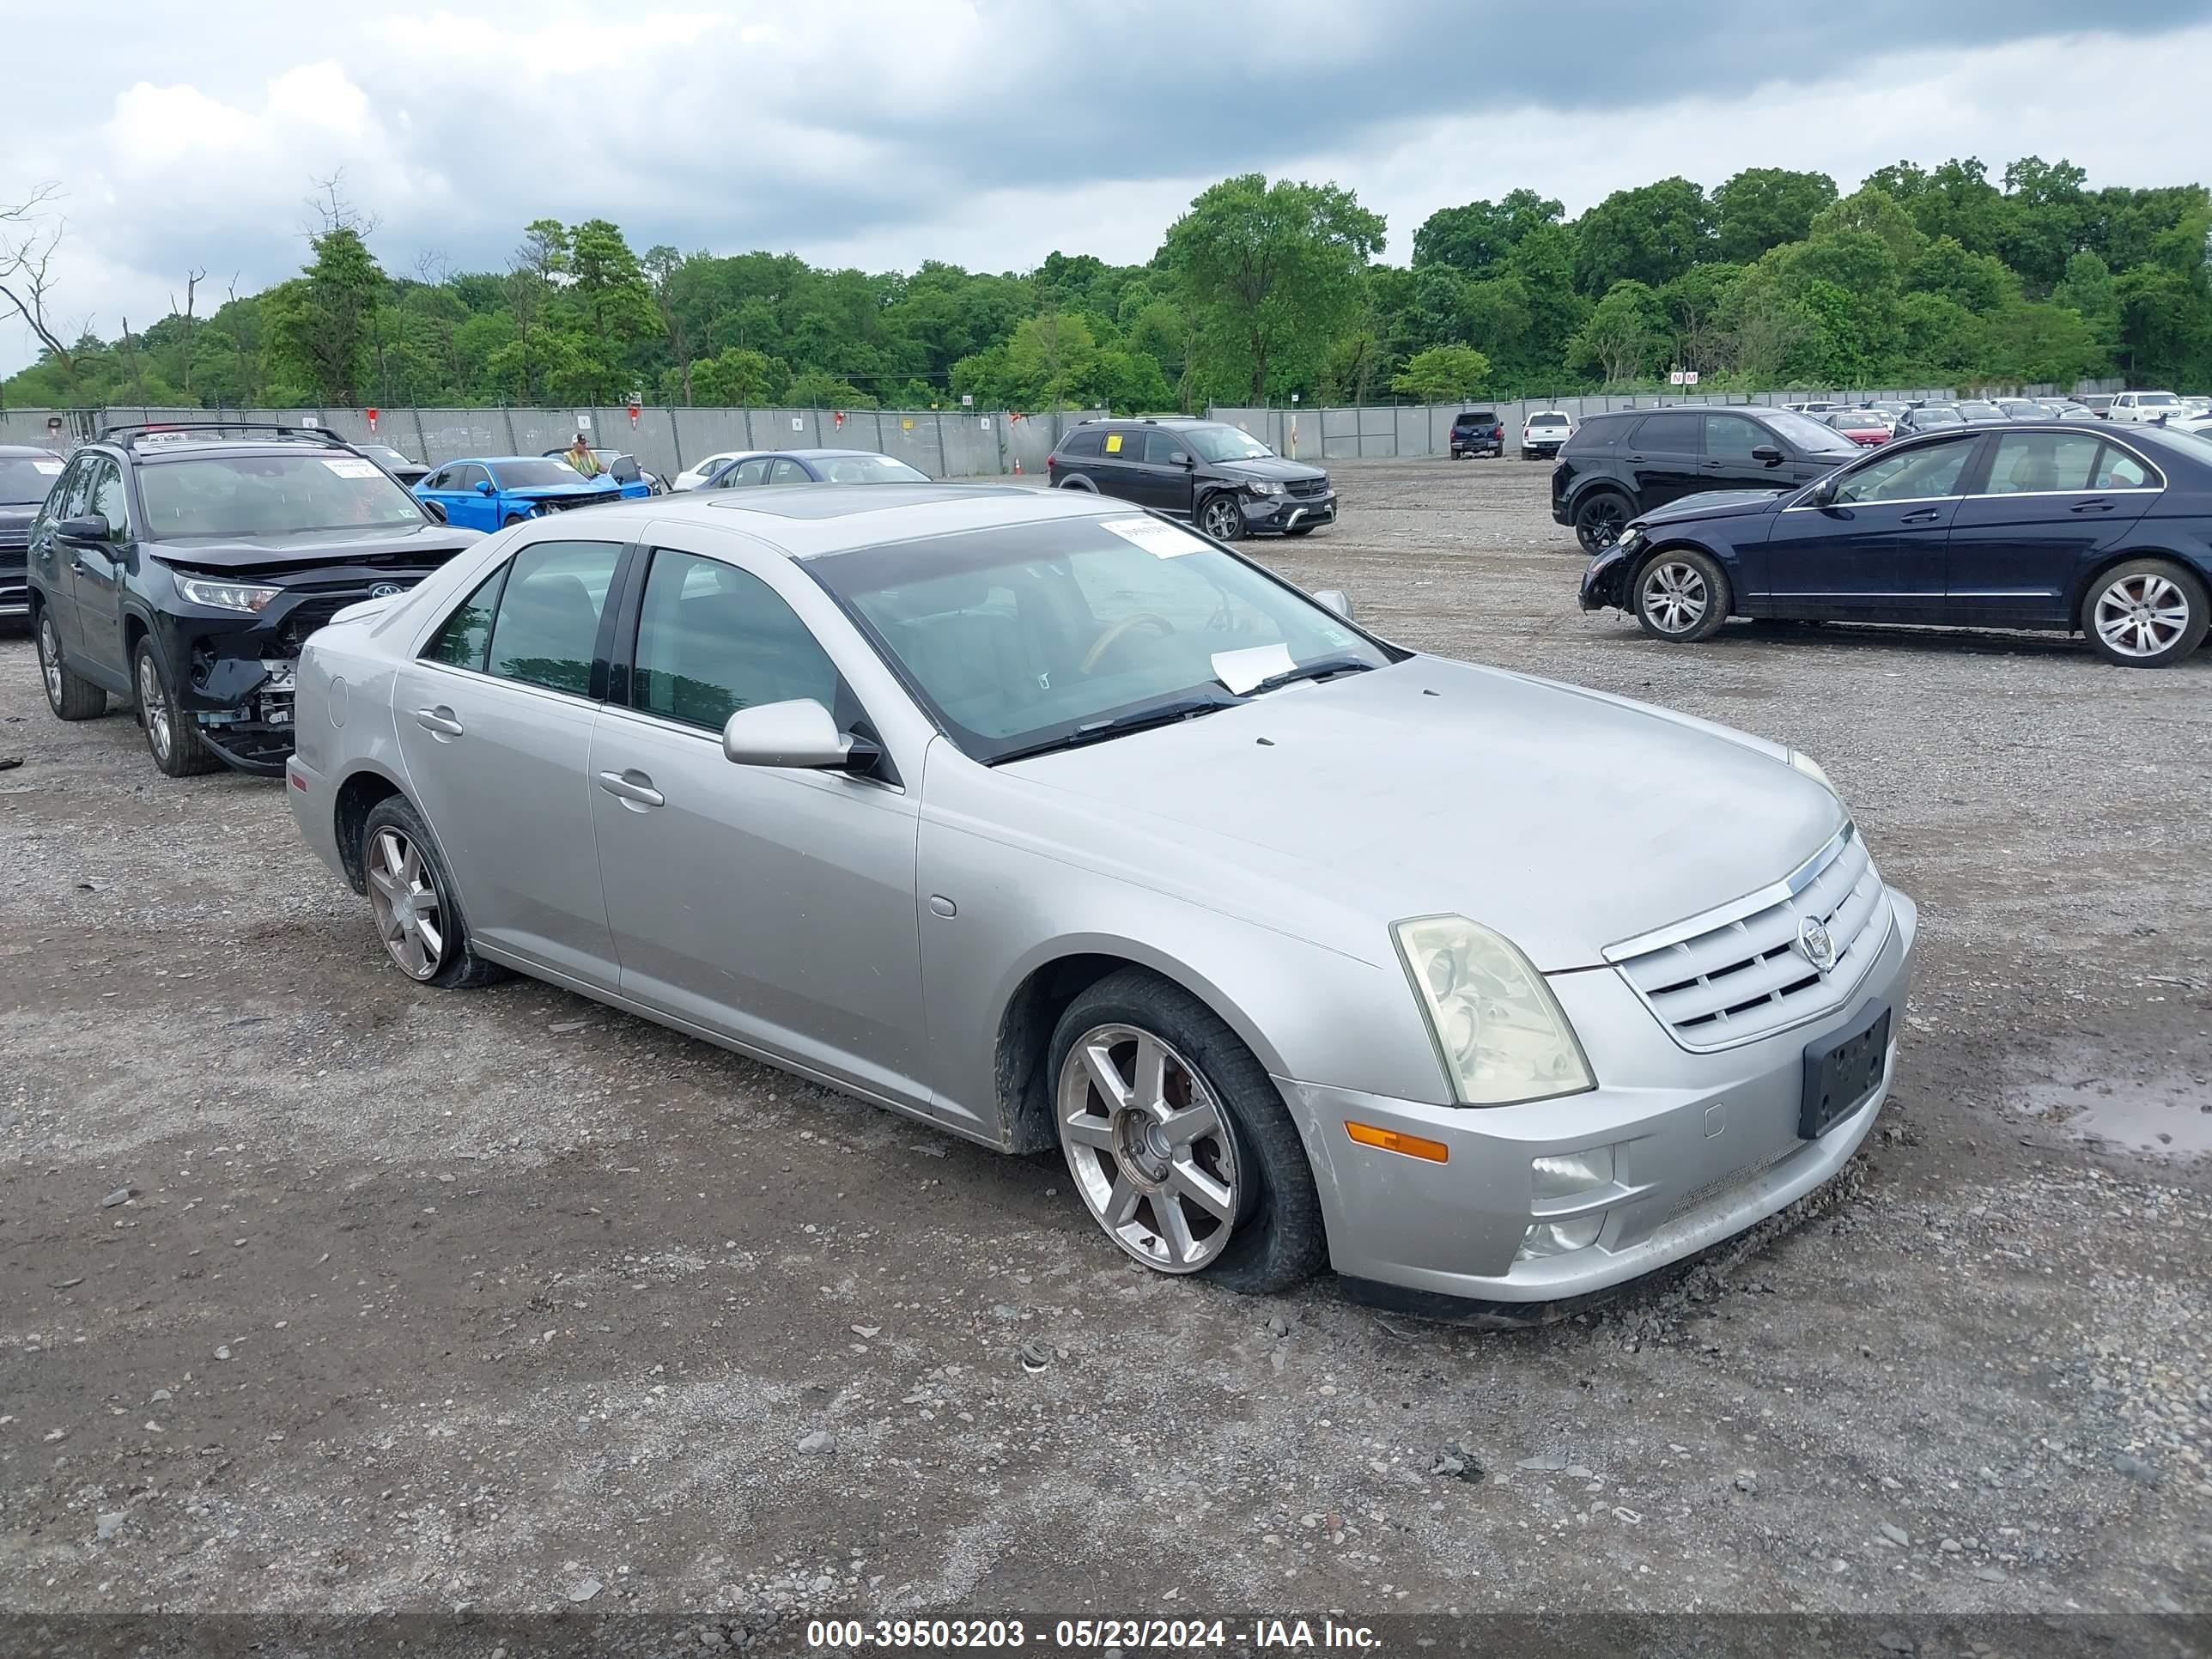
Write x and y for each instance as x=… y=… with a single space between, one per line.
x=547 y=628
x=106 y=499
x=1032 y=635
x=1161 y=449
x=471 y=477
x=713 y=639
x=1915 y=475
x=466 y=635
x=271 y=495
x=1732 y=437
x=2039 y=463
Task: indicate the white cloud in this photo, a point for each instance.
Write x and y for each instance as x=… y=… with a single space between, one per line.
x=879 y=134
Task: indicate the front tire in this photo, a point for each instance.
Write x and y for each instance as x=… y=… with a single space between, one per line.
x=418 y=919
x=1600 y=521
x=1222 y=517
x=70 y=697
x=2145 y=613
x=1681 y=596
x=1178 y=1140
x=172 y=737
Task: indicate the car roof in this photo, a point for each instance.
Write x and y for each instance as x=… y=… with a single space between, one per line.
x=25 y=451
x=492 y=460
x=809 y=521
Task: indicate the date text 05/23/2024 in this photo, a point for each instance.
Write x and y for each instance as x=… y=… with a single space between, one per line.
x=1168 y=1635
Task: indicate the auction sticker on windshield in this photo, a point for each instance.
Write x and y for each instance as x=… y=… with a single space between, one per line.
x=347 y=468
x=1164 y=540
x=50 y=469
x=1240 y=671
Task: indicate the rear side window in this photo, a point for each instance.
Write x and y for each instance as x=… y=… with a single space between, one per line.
x=1084 y=444
x=1669 y=434
x=2041 y=462
x=713 y=639
x=2117 y=470
x=547 y=628
x=467 y=633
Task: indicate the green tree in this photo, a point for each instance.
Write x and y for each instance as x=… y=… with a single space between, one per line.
x=1978 y=282
x=1877 y=212
x=1442 y=374
x=1624 y=333
x=1762 y=208
x=2087 y=290
x=1479 y=237
x=321 y=320
x=1271 y=272
x=740 y=375
x=1650 y=235
x=607 y=284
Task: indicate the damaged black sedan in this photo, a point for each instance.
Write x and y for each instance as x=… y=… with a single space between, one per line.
x=178 y=569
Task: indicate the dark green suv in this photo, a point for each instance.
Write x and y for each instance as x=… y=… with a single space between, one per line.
x=1218 y=476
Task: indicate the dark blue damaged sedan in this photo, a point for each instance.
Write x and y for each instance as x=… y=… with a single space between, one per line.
x=2034 y=524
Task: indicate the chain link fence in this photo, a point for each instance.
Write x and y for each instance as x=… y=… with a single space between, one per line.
x=962 y=443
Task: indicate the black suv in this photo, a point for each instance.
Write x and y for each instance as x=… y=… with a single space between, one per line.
x=1218 y=475
x=180 y=569
x=1626 y=461
x=1477 y=431
x=26 y=476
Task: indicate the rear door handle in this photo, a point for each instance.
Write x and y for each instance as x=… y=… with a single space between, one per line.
x=2090 y=507
x=632 y=788
x=439 y=721
x=1925 y=515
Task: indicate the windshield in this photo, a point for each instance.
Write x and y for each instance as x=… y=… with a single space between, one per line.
x=1808 y=433
x=272 y=495
x=1944 y=415
x=1225 y=443
x=534 y=474
x=25 y=480
x=2158 y=400
x=1034 y=635
x=868 y=469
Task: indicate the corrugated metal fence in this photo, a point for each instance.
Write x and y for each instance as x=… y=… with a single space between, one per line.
x=943 y=443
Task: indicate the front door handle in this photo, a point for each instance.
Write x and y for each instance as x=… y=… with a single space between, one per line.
x=632 y=789
x=2090 y=507
x=439 y=720
x=1636 y=458
x=1925 y=515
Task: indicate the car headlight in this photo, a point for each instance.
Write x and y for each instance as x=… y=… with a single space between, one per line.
x=1264 y=489
x=1630 y=539
x=227 y=596
x=1503 y=1035
x=1811 y=769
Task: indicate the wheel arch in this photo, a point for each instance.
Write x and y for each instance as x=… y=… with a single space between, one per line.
x=2104 y=563
x=1078 y=481
x=356 y=797
x=1045 y=989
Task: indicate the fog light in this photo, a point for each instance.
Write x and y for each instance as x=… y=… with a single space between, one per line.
x=1558 y=1237
x=1563 y=1174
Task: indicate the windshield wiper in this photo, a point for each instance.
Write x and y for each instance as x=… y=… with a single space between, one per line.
x=1320 y=669
x=1166 y=713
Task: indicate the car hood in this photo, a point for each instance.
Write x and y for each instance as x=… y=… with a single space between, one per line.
x=1565 y=819
x=17 y=515
x=1714 y=504
x=1271 y=466
x=432 y=544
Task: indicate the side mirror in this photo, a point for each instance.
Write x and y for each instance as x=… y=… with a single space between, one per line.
x=1336 y=599
x=484 y=486
x=1824 y=493
x=93 y=530
x=1184 y=457
x=436 y=510
x=1767 y=454
x=801 y=733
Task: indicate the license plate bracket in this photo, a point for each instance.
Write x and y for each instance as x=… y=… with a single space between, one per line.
x=1841 y=1071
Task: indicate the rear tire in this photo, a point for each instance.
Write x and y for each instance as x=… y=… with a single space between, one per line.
x=2145 y=613
x=70 y=697
x=1600 y=520
x=172 y=737
x=418 y=916
x=1249 y=1151
x=1681 y=596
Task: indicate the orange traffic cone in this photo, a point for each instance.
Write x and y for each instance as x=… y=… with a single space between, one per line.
x=1017 y=466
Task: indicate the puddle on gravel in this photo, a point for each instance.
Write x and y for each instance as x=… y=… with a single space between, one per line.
x=2164 y=1116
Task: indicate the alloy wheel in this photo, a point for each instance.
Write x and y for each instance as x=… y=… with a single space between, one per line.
x=2141 y=615
x=405 y=900
x=154 y=707
x=1150 y=1147
x=1602 y=523
x=1675 y=597
x=1223 y=518
x=50 y=660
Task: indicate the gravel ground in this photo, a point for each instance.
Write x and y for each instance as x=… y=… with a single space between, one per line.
x=321 y=1292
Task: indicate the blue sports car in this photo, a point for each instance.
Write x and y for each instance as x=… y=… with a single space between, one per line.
x=491 y=492
x=2100 y=530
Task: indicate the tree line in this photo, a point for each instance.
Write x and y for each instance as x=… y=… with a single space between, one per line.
x=1260 y=290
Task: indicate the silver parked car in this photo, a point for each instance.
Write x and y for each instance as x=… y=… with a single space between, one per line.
x=1051 y=823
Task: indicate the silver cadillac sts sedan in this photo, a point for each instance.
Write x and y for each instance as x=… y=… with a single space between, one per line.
x=1050 y=822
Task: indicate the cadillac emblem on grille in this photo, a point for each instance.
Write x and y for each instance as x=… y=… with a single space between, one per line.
x=1813 y=940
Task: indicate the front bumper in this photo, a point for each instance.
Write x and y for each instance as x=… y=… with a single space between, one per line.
x=1703 y=1146
x=15 y=582
x=1606 y=580
x=1280 y=512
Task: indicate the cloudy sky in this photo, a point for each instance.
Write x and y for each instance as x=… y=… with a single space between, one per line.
x=988 y=132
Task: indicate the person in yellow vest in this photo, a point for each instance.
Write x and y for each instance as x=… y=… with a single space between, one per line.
x=579 y=455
